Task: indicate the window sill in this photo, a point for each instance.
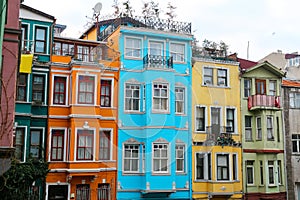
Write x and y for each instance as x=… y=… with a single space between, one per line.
x=133 y=173
x=60 y=105
x=24 y=102
x=134 y=112
x=200 y=132
x=132 y=58
x=161 y=174
x=180 y=114
x=181 y=173
x=160 y=112
x=272 y=186
x=249 y=140
x=215 y=86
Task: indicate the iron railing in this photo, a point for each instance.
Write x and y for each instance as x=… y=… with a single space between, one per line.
x=103 y=193
x=158 y=61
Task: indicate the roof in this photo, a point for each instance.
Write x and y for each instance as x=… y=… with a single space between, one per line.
x=37 y=12
x=291 y=55
x=289 y=83
x=246 y=64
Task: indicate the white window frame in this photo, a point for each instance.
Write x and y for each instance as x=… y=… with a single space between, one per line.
x=159 y=110
x=177 y=54
x=234 y=119
x=258 y=129
x=161 y=158
x=182 y=91
x=43 y=137
x=227 y=78
x=181 y=147
x=132 y=97
x=94 y=144
x=67 y=90
x=45 y=99
x=272 y=92
x=50 y=143
x=294 y=100
x=247 y=88
x=25 y=142
x=112 y=89
x=205 y=118
x=297 y=141
x=274 y=174
x=131 y=49
x=47 y=37
x=279 y=172
x=236 y=166
x=270 y=128
x=77 y=89
x=262 y=172
x=110 y=142
x=206 y=165
x=204 y=82
x=250 y=166
x=139 y=159
x=249 y=128
x=162 y=46
x=228 y=166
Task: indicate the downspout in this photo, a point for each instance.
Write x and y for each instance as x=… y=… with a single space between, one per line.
x=284 y=140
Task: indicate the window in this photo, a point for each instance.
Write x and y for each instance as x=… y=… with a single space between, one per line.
x=294 y=99
x=234 y=167
x=230 y=120
x=160 y=96
x=203 y=166
x=160 y=158
x=177 y=52
x=83 y=53
x=260 y=86
x=103 y=191
x=57 y=145
x=222 y=167
x=40 y=40
x=279 y=172
x=86 y=89
x=248 y=128
x=133 y=47
x=19 y=143
x=132 y=97
x=105 y=145
x=105 y=96
x=59 y=93
x=38 y=88
x=261 y=168
x=36 y=143
x=222 y=77
x=180 y=157
x=247 y=87
x=208 y=76
x=270 y=133
x=22 y=87
x=271 y=172
x=83 y=192
x=296 y=143
x=131 y=157
x=67 y=49
x=258 y=129
x=25 y=43
x=200 y=118
x=250 y=172
x=57 y=48
x=179 y=100
x=156 y=48
x=85 y=144
x=272 y=88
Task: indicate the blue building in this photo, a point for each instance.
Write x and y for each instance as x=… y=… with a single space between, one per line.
x=154 y=137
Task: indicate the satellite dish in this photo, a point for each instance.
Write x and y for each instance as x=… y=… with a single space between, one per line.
x=97 y=8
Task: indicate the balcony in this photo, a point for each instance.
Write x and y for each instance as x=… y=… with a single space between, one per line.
x=158 y=62
x=260 y=101
x=219 y=135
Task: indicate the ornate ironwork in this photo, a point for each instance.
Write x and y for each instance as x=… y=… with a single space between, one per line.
x=158 y=61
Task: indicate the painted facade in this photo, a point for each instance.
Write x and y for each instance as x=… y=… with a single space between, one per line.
x=82 y=124
x=9 y=59
x=262 y=128
x=216 y=131
x=291 y=107
x=31 y=105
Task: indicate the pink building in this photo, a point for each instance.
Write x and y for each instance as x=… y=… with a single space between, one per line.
x=10 y=34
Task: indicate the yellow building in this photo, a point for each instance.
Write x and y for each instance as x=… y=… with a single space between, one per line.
x=216 y=151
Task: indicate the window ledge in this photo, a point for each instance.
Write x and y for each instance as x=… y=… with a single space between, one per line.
x=134 y=112
x=133 y=58
x=24 y=102
x=160 y=112
x=200 y=132
x=161 y=174
x=133 y=173
x=180 y=114
x=181 y=173
x=215 y=86
x=249 y=140
x=60 y=105
x=272 y=186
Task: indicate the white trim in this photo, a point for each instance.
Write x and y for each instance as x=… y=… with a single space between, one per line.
x=205 y=165
x=43 y=137
x=140 y=97
x=205 y=118
x=221 y=114
x=253 y=171
x=47 y=37
x=184 y=99
x=61 y=183
x=185 y=51
x=140 y=157
x=141 y=47
x=168 y=97
x=112 y=89
x=60 y=170
x=161 y=141
x=229 y=165
x=66 y=90
x=161 y=42
x=111 y=130
x=237 y=166
x=235 y=124
x=50 y=143
x=94 y=147
x=184 y=158
x=25 y=141
x=77 y=88
x=45 y=99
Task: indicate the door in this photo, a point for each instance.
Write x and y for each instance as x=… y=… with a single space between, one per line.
x=215 y=121
x=260 y=86
x=58 y=192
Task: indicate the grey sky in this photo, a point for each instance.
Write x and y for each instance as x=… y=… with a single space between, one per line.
x=268 y=25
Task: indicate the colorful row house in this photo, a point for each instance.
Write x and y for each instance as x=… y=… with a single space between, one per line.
x=31 y=106
x=216 y=130
x=263 y=138
x=9 y=60
x=82 y=121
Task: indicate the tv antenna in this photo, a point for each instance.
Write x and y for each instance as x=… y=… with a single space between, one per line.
x=97 y=8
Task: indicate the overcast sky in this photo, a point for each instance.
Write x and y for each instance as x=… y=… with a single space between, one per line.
x=268 y=25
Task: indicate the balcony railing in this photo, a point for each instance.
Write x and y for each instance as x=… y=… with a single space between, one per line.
x=103 y=193
x=158 y=61
x=263 y=101
x=219 y=135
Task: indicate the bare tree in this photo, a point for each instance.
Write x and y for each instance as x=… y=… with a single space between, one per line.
x=117 y=8
x=127 y=10
x=171 y=11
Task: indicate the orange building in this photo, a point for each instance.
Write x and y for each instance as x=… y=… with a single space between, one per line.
x=82 y=121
